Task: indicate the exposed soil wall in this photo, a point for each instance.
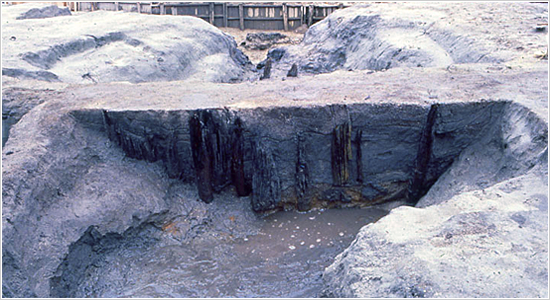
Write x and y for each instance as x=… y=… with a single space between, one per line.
x=302 y=158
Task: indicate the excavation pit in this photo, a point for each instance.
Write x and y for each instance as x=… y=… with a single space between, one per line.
x=184 y=177
x=276 y=159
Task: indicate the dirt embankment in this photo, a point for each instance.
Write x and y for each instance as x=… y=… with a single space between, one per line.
x=97 y=47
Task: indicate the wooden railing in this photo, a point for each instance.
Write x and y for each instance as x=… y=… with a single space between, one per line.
x=277 y=16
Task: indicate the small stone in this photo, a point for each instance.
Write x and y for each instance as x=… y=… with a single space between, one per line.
x=291 y=247
x=312 y=218
x=318 y=240
x=302 y=243
x=341 y=234
x=311 y=246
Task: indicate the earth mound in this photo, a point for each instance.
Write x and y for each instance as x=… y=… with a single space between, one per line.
x=389 y=35
x=46 y=12
x=104 y=46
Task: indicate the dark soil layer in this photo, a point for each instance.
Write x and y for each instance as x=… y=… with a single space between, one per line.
x=302 y=158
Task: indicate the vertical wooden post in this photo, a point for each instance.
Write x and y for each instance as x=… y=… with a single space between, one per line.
x=116 y=6
x=211 y=10
x=174 y=10
x=310 y=15
x=241 y=16
x=162 y=8
x=151 y=8
x=224 y=8
x=138 y=7
x=285 y=17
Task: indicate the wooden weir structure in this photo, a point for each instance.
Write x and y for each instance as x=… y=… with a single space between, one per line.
x=266 y=16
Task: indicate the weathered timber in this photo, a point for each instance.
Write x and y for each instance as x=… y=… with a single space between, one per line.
x=238 y=177
x=302 y=177
x=359 y=155
x=417 y=186
x=266 y=185
x=341 y=153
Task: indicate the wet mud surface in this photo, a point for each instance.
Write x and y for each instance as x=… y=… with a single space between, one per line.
x=285 y=259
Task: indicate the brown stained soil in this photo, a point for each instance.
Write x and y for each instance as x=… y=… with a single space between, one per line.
x=256 y=56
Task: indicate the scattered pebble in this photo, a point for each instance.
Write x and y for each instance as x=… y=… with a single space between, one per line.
x=292 y=236
x=297 y=227
x=302 y=243
x=318 y=240
x=246 y=239
x=291 y=247
x=311 y=246
x=329 y=224
x=341 y=234
x=312 y=218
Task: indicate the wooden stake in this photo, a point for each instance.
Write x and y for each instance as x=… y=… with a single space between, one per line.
x=211 y=8
x=241 y=16
x=310 y=15
x=224 y=8
x=285 y=17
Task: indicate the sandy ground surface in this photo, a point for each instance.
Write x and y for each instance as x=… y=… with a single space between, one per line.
x=461 y=83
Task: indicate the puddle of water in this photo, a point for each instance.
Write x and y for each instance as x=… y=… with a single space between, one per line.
x=286 y=259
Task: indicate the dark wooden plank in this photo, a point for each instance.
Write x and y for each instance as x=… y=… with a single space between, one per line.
x=224 y=8
x=311 y=9
x=241 y=16
x=285 y=17
x=211 y=12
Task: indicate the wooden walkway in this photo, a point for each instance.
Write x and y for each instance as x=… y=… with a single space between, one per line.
x=276 y=16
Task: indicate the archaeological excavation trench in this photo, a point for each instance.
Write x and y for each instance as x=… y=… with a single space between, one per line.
x=298 y=158
x=323 y=161
x=406 y=155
